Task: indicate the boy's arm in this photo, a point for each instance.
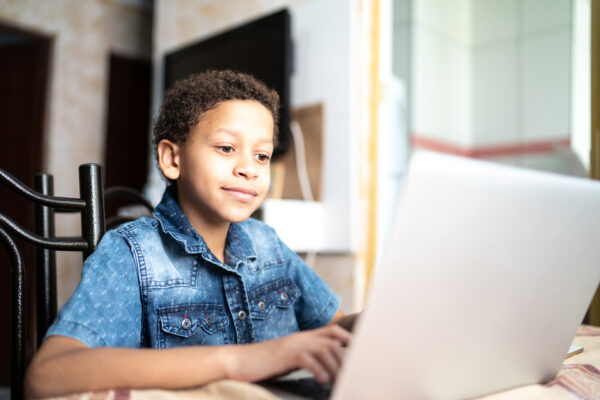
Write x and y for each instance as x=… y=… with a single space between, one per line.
x=64 y=365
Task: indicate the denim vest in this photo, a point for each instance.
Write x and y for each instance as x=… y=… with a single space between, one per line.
x=164 y=287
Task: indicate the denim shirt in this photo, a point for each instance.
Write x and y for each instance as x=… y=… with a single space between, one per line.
x=154 y=283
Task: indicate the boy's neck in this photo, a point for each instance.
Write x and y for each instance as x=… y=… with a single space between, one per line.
x=214 y=232
x=215 y=240
x=215 y=235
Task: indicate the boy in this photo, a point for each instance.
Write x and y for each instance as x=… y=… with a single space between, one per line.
x=162 y=298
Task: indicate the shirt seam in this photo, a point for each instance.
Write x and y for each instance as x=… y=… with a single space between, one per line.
x=95 y=334
x=314 y=322
x=140 y=263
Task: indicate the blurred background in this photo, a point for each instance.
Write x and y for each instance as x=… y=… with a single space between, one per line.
x=363 y=82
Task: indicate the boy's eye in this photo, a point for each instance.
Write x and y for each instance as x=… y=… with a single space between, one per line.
x=226 y=149
x=262 y=157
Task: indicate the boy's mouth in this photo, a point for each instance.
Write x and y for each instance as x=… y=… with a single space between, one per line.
x=241 y=193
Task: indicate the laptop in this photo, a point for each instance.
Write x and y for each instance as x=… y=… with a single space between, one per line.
x=487 y=275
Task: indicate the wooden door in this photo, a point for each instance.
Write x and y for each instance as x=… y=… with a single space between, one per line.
x=23 y=83
x=128 y=127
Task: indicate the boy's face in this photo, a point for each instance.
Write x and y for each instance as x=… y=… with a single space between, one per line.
x=222 y=170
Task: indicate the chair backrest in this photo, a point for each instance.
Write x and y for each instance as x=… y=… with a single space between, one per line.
x=93 y=225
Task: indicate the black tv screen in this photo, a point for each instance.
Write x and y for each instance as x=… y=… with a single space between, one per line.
x=261 y=47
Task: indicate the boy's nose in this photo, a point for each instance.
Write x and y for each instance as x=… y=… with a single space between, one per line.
x=245 y=168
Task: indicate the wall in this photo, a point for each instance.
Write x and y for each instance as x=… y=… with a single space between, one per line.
x=84 y=33
x=393 y=145
x=490 y=78
x=581 y=81
x=521 y=65
x=440 y=70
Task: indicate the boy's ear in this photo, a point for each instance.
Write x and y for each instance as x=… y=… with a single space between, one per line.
x=168 y=158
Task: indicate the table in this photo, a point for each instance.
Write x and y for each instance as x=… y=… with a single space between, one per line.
x=578 y=378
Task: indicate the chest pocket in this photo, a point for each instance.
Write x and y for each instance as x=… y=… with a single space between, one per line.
x=277 y=295
x=192 y=324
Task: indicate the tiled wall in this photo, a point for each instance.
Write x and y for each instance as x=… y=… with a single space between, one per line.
x=488 y=73
x=521 y=70
x=440 y=69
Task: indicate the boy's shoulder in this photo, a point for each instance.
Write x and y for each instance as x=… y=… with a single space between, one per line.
x=141 y=228
x=140 y=223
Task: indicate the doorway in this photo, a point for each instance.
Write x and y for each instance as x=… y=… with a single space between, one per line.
x=24 y=75
x=128 y=125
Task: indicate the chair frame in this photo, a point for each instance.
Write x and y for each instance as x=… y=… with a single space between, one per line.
x=17 y=279
x=93 y=226
x=91 y=207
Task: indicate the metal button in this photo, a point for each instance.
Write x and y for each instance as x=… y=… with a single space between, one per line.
x=242 y=315
x=284 y=296
x=186 y=324
x=262 y=305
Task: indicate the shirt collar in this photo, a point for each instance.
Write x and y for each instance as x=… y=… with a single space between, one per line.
x=174 y=223
x=239 y=244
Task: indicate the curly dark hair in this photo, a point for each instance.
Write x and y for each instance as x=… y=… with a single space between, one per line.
x=189 y=98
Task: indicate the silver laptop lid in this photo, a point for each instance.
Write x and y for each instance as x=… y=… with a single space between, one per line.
x=488 y=274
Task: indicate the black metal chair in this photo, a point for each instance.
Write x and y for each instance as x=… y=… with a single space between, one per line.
x=91 y=207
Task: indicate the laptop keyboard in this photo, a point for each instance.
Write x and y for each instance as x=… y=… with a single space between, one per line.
x=305 y=387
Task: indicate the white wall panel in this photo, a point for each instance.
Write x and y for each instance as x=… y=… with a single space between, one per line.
x=581 y=81
x=441 y=87
x=401 y=10
x=546 y=86
x=496 y=95
x=494 y=20
x=401 y=53
x=541 y=14
x=448 y=18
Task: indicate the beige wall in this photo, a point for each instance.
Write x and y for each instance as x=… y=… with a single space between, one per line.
x=84 y=33
x=181 y=21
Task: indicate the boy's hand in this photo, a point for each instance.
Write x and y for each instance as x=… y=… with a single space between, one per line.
x=346 y=321
x=318 y=350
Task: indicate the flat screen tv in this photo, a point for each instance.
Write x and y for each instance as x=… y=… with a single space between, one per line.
x=261 y=47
